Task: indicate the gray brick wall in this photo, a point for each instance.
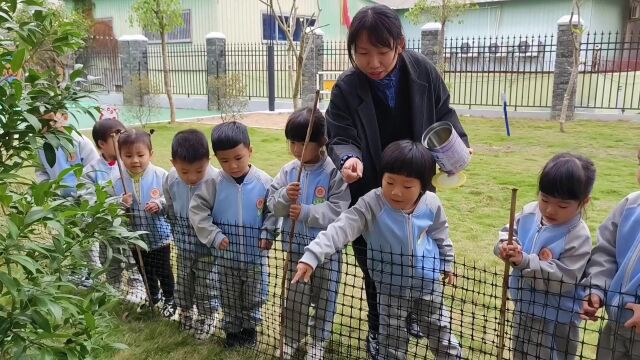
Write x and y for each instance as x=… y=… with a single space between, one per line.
x=313 y=63
x=216 y=64
x=429 y=41
x=562 y=72
x=133 y=60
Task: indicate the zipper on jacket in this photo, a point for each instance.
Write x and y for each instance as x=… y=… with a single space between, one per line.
x=630 y=268
x=410 y=237
x=243 y=241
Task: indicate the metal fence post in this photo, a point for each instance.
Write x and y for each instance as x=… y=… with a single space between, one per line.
x=216 y=64
x=133 y=59
x=271 y=77
x=563 y=64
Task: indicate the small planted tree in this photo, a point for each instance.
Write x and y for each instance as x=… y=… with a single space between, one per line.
x=230 y=96
x=296 y=49
x=160 y=17
x=43 y=236
x=442 y=12
x=142 y=103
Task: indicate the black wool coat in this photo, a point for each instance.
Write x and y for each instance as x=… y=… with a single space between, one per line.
x=351 y=118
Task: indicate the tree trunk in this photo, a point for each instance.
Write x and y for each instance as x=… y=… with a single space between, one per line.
x=570 y=90
x=166 y=74
x=298 y=81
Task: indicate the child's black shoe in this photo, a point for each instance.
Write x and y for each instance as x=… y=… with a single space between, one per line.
x=233 y=340
x=411 y=323
x=373 y=346
x=249 y=337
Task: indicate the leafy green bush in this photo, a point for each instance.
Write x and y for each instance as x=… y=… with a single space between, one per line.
x=44 y=237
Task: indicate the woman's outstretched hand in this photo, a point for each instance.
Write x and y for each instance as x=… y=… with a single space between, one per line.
x=352 y=170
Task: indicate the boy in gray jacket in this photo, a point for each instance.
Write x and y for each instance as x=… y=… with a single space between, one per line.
x=229 y=213
x=197 y=283
x=408 y=250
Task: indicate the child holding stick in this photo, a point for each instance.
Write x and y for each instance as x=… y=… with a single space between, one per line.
x=313 y=203
x=549 y=253
x=408 y=249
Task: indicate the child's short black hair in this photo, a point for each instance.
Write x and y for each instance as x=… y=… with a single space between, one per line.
x=568 y=177
x=381 y=24
x=103 y=129
x=298 y=123
x=135 y=136
x=229 y=135
x=410 y=159
x=189 y=146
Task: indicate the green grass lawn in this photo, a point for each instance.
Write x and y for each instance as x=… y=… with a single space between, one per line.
x=476 y=212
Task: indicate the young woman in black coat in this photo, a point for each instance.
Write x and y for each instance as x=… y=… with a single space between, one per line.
x=389 y=94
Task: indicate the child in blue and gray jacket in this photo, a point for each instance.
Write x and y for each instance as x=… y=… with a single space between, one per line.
x=313 y=203
x=145 y=198
x=197 y=284
x=550 y=252
x=104 y=171
x=613 y=280
x=229 y=213
x=408 y=249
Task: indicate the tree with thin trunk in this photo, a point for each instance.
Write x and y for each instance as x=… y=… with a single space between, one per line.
x=442 y=12
x=297 y=50
x=160 y=17
x=576 y=37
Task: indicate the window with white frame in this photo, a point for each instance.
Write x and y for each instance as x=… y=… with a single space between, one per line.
x=272 y=31
x=181 y=34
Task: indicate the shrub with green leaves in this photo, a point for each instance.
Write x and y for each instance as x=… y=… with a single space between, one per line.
x=43 y=236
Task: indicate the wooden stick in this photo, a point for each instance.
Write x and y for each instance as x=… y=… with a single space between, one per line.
x=114 y=136
x=505 y=278
x=283 y=291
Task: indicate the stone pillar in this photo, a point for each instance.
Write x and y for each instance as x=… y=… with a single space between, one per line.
x=133 y=61
x=216 y=64
x=429 y=41
x=563 y=64
x=313 y=63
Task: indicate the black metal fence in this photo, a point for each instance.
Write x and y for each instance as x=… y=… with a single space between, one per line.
x=249 y=60
x=609 y=71
x=234 y=297
x=478 y=70
x=188 y=64
x=104 y=67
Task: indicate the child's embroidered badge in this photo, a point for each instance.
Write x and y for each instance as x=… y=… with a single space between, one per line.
x=155 y=193
x=545 y=254
x=320 y=194
x=260 y=206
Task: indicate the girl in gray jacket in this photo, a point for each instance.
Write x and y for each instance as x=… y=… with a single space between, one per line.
x=408 y=249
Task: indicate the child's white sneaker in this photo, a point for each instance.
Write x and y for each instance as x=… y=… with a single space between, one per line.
x=206 y=326
x=187 y=321
x=316 y=351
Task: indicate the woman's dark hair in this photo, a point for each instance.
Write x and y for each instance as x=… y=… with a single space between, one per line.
x=298 y=123
x=229 y=135
x=103 y=129
x=135 y=136
x=567 y=177
x=410 y=159
x=381 y=24
x=190 y=146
